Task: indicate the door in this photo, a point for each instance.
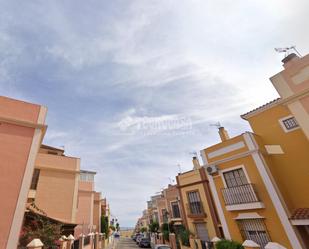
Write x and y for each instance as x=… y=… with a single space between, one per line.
x=201 y=231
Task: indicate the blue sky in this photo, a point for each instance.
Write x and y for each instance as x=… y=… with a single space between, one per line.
x=133 y=86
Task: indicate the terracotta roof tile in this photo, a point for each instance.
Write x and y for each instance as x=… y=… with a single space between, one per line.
x=260 y=108
x=300 y=214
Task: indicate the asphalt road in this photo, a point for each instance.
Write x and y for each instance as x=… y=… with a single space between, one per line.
x=126 y=243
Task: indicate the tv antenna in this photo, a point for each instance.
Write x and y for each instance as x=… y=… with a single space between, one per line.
x=218 y=125
x=194 y=153
x=287 y=50
x=179 y=168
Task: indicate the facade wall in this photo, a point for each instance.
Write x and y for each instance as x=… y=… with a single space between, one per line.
x=97 y=211
x=161 y=205
x=254 y=161
x=291 y=166
x=21 y=132
x=56 y=194
x=292 y=85
x=171 y=194
x=85 y=208
x=192 y=181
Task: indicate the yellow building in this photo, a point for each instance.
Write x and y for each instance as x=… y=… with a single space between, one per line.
x=199 y=213
x=260 y=180
x=292 y=85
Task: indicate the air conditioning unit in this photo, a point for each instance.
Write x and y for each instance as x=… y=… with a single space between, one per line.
x=212 y=169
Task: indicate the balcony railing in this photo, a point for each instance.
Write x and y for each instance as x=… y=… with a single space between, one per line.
x=196 y=209
x=240 y=195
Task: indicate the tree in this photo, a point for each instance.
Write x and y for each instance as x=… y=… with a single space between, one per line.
x=228 y=244
x=113 y=228
x=104 y=226
x=117 y=227
x=38 y=225
x=165 y=231
x=143 y=229
x=154 y=227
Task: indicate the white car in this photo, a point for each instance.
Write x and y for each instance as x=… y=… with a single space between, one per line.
x=162 y=246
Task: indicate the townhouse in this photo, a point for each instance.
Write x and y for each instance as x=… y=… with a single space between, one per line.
x=259 y=181
x=22 y=128
x=173 y=207
x=40 y=179
x=54 y=185
x=88 y=206
x=199 y=213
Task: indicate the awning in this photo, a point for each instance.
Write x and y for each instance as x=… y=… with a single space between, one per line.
x=246 y=216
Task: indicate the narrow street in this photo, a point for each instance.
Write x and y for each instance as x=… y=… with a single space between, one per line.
x=126 y=243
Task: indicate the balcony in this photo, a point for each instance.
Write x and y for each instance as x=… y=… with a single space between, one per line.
x=196 y=210
x=241 y=198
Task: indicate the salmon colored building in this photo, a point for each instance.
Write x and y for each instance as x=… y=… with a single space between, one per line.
x=174 y=210
x=97 y=211
x=85 y=205
x=54 y=187
x=22 y=128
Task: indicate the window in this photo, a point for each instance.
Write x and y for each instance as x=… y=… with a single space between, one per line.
x=164 y=216
x=35 y=179
x=235 y=178
x=290 y=123
x=195 y=202
x=175 y=209
x=201 y=231
x=254 y=229
x=86 y=177
x=155 y=217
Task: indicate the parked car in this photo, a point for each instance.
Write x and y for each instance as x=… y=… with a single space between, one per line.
x=162 y=246
x=144 y=242
x=134 y=236
x=116 y=234
x=138 y=238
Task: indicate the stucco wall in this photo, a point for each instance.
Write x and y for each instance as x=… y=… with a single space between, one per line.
x=18 y=148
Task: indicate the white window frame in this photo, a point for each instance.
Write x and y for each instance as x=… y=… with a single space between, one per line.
x=283 y=126
x=231 y=169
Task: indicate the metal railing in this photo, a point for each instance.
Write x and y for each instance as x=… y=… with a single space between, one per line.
x=239 y=194
x=195 y=208
x=87 y=240
x=75 y=244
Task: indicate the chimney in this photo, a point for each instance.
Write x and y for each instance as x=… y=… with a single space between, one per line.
x=223 y=134
x=289 y=60
x=196 y=163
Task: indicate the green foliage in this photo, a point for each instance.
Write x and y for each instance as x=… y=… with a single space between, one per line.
x=104 y=226
x=154 y=227
x=143 y=229
x=117 y=227
x=38 y=225
x=113 y=228
x=164 y=227
x=184 y=236
x=166 y=235
x=229 y=244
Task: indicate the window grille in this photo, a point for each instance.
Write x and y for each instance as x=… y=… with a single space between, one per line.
x=290 y=123
x=195 y=202
x=254 y=229
x=235 y=178
x=175 y=209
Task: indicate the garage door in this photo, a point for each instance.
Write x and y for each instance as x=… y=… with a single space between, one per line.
x=201 y=231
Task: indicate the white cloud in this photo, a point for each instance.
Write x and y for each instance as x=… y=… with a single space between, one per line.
x=101 y=67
